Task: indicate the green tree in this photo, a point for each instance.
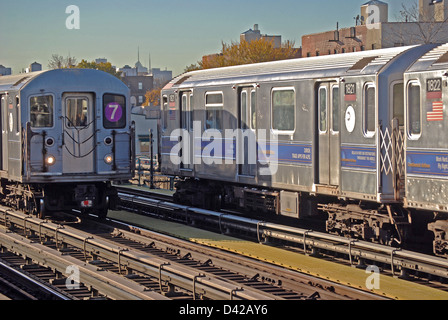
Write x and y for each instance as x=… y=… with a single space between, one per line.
x=106 y=67
x=245 y=52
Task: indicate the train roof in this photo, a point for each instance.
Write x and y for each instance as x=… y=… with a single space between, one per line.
x=435 y=59
x=56 y=78
x=356 y=63
x=16 y=82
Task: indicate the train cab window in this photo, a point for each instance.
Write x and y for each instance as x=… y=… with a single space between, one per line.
x=414 y=110
x=114 y=111
x=398 y=102
x=283 y=109
x=369 y=110
x=214 y=105
x=41 y=111
x=77 y=112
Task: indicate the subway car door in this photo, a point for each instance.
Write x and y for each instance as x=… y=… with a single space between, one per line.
x=186 y=122
x=78 y=133
x=247 y=162
x=3 y=145
x=328 y=107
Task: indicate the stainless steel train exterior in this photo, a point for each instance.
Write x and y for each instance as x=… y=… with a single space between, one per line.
x=426 y=143
x=65 y=136
x=342 y=139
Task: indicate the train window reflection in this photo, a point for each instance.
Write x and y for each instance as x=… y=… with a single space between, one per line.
x=77 y=112
x=323 y=110
x=214 y=104
x=283 y=109
x=41 y=111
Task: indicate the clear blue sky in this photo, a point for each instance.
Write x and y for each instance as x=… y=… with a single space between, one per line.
x=177 y=33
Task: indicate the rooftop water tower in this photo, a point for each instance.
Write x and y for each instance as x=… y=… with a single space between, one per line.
x=374 y=12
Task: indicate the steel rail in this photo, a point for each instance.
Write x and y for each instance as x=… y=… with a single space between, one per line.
x=34 y=282
x=114 y=286
x=398 y=259
x=289 y=280
x=172 y=273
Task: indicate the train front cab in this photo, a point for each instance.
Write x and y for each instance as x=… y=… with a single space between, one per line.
x=427 y=144
x=77 y=138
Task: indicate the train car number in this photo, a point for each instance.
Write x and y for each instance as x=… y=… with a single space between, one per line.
x=434 y=85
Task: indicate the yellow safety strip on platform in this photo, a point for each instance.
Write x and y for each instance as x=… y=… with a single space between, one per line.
x=389 y=287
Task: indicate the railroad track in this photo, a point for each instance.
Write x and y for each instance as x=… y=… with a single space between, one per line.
x=114 y=263
x=398 y=262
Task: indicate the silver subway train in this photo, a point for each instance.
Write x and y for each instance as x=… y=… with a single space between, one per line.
x=359 y=136
x=66 y=135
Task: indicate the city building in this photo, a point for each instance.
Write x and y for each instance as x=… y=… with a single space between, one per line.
x=34 y=67
x=139 y=85
x=161 y=77
x=373 y=30
x=4 y=71
x=146 y=120
x=255 y=34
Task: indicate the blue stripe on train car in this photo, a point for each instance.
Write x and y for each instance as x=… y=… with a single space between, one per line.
x=429 y=163
x=358 y=157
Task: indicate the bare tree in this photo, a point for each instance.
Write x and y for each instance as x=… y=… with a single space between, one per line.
x=419 y=26
x=59 y=62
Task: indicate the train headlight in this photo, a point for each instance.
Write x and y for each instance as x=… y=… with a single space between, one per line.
x=50 y=160
x=109 y=159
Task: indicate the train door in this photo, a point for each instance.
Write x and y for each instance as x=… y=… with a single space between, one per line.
x=186 y=123
x=78 y=133
x=2 y=128
x=247 y=162
x=328 y=106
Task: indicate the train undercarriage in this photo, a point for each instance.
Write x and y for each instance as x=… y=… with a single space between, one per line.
x=388 y=224
x=41 y=200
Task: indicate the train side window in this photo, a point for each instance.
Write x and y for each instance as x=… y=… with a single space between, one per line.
x=214 y=105
x=283 y=109
x=336 y=109
x=41 y=111
x=165 y=112
x=244 y=119
x=114 y=111
x=253 y=110
x=323 y=110
x=369 y=110
x=414 y=110
x=17 y=114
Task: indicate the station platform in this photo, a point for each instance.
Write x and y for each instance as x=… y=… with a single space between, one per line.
x=390 y=287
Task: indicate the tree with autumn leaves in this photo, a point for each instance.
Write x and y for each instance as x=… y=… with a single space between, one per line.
x=245 y=52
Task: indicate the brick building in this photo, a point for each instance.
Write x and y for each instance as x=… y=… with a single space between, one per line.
x=374 y=31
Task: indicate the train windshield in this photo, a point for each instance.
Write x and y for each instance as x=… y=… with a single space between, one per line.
x=77 y=112
x=114 y=111
x=41 y=111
